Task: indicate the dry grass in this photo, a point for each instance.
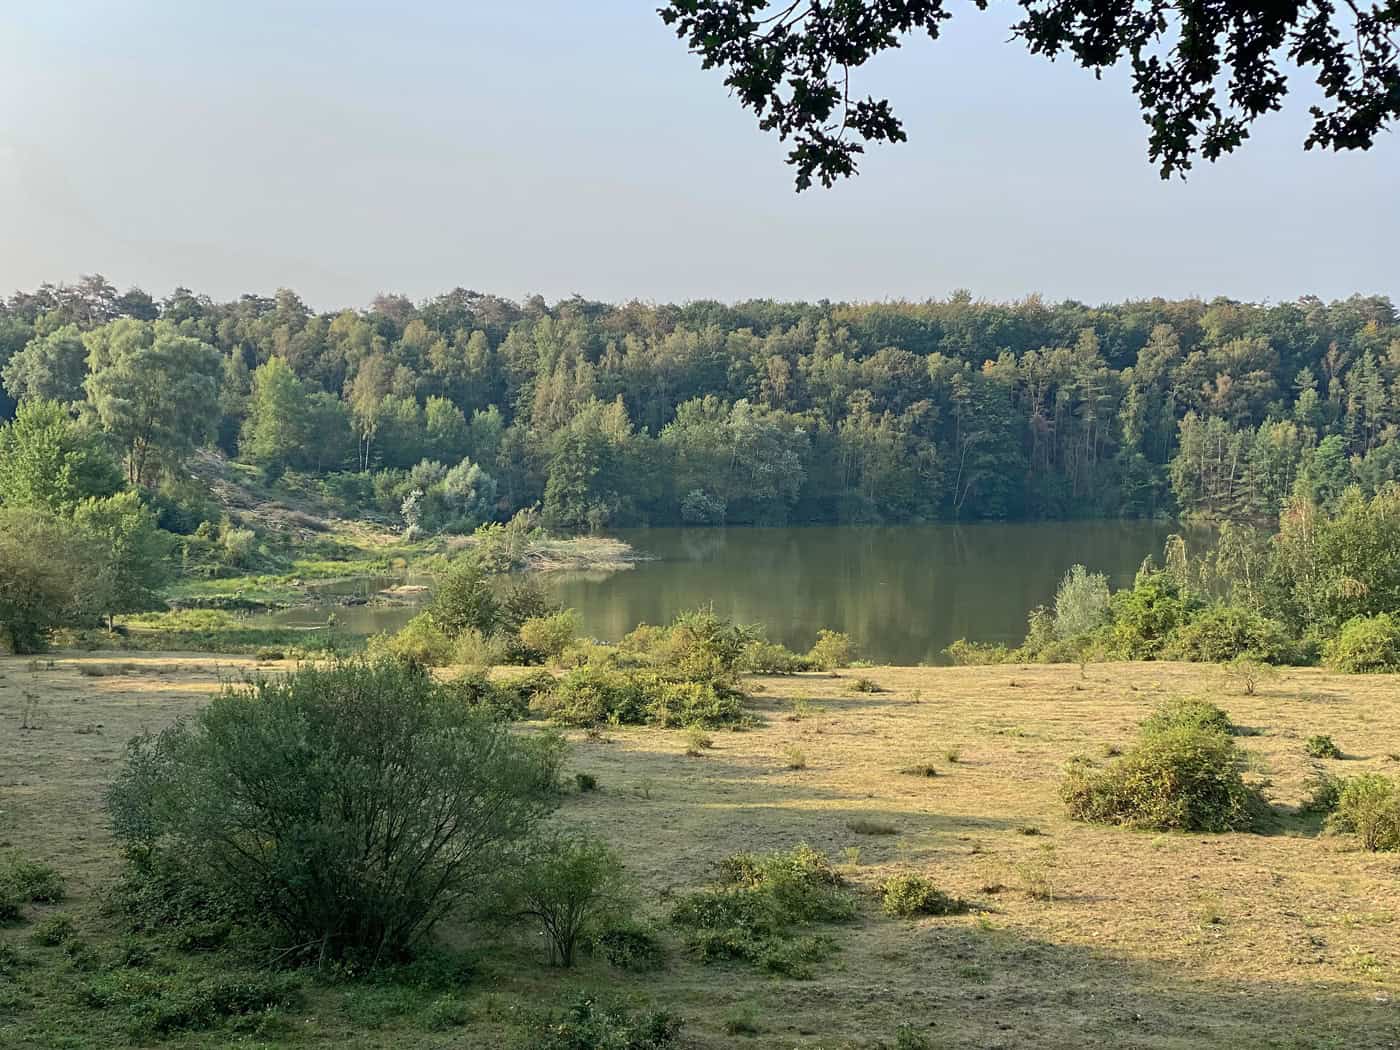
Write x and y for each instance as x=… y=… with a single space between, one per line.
x=1082 y=936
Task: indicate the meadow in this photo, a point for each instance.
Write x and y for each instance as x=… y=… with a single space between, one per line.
x=1075 y=935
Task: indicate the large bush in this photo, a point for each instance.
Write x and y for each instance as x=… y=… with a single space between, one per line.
x=572 y=886
x=49 y=577
x=1081 y=603
x=1368 y=806
x=1146 y=614
x=1366 y=643
x=1176 y=778
x=350 y=807
x=1223 y=631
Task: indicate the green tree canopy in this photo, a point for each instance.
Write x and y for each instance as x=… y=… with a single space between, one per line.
x=155 y=390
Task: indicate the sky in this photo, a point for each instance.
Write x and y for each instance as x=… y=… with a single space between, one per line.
x=345 y=148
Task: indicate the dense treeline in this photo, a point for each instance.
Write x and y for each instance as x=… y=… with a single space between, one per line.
x=467 y=407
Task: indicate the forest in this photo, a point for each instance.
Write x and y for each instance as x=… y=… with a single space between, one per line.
x=467 y=407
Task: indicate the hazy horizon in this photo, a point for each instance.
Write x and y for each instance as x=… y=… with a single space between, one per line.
x=348 y=149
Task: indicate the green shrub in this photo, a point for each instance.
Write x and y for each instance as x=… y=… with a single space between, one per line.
x=832 y=650
x=759 y=900
x=159 y=1005
x=1322 y=746
x=1223 y=632
x=585 y=782
x=471 y=648
x=573 y=885
x=1145 y=615
x=1366 y=644
x=349 y=807
x=1177 y=778
x=629 y=946
x=708 y=704
x=1249 y=673
x=904 y=896
x=464 y=600
x=762 y=657
x=546 y=637
x=28 y=880
x=1081 y=603
x=963 y=653
x=53 y=930
x=589 y=1025
x=697 y=741
x=1368 y=806
x=1187 y=713
x=1324 y=792
x=422 y=640
x=593 y=695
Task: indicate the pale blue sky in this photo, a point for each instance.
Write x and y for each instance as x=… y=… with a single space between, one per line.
x=344 y=147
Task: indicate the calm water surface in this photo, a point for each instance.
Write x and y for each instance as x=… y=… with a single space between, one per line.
x=903 y=592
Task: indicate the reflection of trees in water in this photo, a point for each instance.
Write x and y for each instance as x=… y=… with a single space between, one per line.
x=902 y=592
x=702 y=544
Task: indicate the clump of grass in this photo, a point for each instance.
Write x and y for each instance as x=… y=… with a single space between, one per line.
x=1037 y=874
x=800 y=707
x=920 y=769
x=861 y=826
x=864 y=685
x=743 y=1021
x=794 y=757
x=697 y=741
x=1028 y=829
x=585 y=782
x=904 y=896
x=1322 y=746
x=953 y=755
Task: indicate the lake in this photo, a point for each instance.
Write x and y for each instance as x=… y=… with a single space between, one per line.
x=902 y=592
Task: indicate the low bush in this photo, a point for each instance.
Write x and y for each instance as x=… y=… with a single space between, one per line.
x=593 y=695
x=53 y=930
x=1187 y=713
x=760 y=900
x=904 y=896
x=920 y=769
x=629 y=946
x=1366 y=644
x=573 y=885
x=544 y=638
x=421 y=640
x=697 y=741
x=1179 y=777
x=162 y=1004
x=1249 y=673
x=347 y=807
x=832 y=650
x=1368 y=806
x=871 y=827
x=28 y=880
x=1322 y=746
x=963 y=653
x=590 y=1025
x=763 y=657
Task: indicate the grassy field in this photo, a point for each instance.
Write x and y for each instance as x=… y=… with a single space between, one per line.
x=1080 y=936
